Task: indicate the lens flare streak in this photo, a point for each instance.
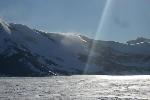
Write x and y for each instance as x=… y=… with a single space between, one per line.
x=99 y=28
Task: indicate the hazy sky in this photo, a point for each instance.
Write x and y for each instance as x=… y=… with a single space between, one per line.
x=122 y=19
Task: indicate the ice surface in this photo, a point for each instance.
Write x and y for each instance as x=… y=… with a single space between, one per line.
x=76 y=88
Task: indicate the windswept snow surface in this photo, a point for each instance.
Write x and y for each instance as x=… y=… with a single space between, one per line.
x=76 y=88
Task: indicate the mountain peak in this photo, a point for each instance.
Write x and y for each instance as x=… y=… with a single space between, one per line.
x=142 y=39
x=139 y=40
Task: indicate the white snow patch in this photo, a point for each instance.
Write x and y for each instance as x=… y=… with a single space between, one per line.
x=5 y=26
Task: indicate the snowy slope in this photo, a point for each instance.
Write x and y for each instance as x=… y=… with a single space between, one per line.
x=34 y=52
x=61 y=49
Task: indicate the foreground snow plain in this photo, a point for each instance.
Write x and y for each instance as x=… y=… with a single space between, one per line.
x=78 y=87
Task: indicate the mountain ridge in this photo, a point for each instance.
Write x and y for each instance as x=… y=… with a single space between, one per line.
x=30 y=52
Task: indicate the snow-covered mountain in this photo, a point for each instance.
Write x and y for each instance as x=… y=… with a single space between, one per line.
x=30 y=52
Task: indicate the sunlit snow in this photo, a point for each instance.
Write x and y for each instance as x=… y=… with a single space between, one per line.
x=79 y=87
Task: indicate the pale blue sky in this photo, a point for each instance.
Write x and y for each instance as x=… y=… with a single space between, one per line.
x=124 y=20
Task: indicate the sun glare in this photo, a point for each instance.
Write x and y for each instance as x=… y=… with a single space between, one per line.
x=98 y=31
